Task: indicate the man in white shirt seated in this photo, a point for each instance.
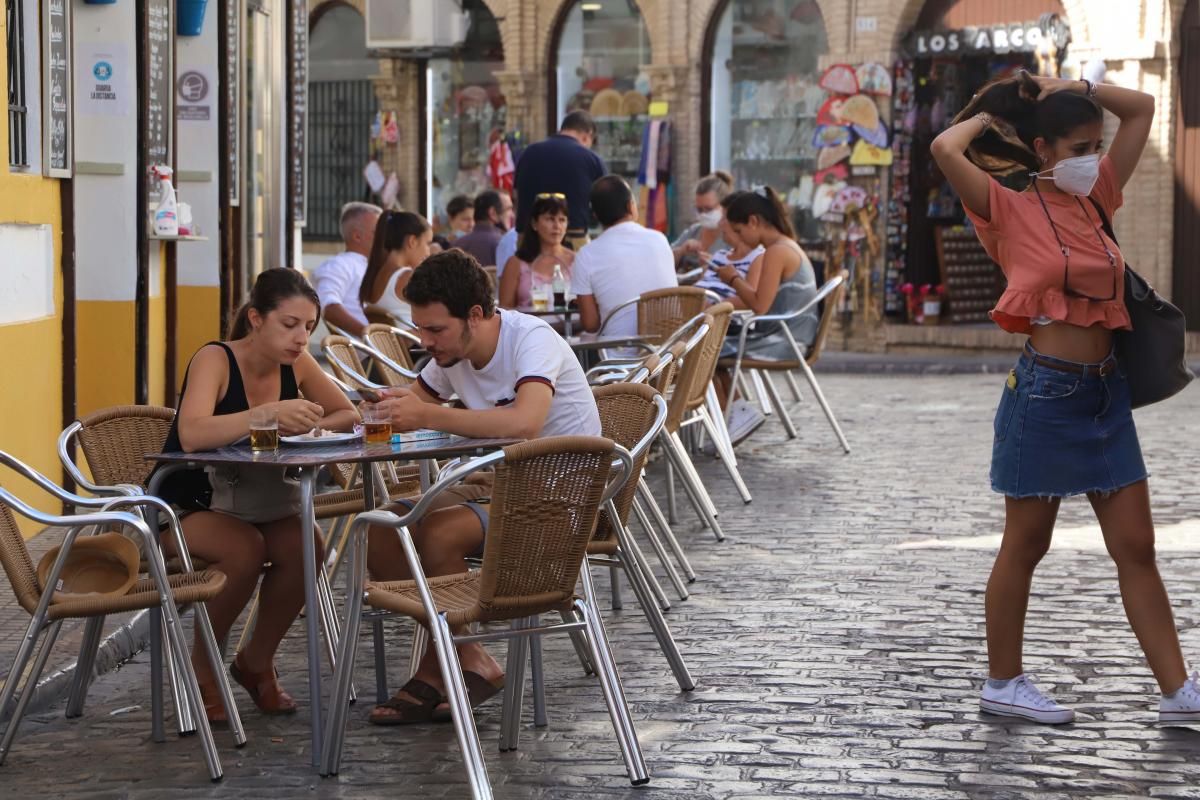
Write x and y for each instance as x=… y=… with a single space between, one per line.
x=620 y=264
x=338 y=279
x=516 y=378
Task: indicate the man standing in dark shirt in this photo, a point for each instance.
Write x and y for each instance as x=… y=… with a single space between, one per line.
x=562 y=164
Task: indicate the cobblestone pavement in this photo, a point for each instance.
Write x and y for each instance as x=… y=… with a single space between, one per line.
x=836 y=637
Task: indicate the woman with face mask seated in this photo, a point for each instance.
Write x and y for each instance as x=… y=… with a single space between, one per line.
x=703 y=238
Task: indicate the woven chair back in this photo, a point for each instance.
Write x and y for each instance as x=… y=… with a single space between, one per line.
x=661 y=312
x=384 y=339
x=115 y=441
x=703 y=359
x=544 y=506
x=832 y=303
x=344 y=361
x=378 y=315
x=627 y=413
x=685 y=366
x=665 y=379
x=18 y=565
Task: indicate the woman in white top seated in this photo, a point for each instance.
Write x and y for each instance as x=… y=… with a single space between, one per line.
x=401 y=243
x=540 y=249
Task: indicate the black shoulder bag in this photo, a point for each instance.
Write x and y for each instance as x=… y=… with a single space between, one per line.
x=1152 y=354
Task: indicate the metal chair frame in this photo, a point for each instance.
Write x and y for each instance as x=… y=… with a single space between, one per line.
x=40 y=625
x=587 y=619
x=831 y=290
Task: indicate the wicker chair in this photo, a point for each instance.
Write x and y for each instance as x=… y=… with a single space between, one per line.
x=394 y=343
x=159 y=593
x=661 y=312
x=547 y=493
x=831 y=294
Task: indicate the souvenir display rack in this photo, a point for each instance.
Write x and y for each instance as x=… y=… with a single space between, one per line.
x=970 y=277
x=897 y=219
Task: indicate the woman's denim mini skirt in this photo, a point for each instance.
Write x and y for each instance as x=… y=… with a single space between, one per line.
x=1064 y=428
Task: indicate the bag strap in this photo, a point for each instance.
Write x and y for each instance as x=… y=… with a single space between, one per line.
x=1104 y=223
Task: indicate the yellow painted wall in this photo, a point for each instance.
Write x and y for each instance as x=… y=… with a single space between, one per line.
x=157 y=346
x=104 y=336
x=31 y=400
x=199 y=322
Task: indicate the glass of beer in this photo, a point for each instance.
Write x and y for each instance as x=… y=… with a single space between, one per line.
x=377 y=425
x=541 y=298
x=264 y=428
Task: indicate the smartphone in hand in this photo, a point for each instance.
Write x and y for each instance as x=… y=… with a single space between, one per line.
x=364 y=395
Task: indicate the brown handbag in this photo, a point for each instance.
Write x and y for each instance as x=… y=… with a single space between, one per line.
x=1152 y=355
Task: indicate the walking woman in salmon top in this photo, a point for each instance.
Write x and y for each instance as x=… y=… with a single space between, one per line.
x=1064 y=425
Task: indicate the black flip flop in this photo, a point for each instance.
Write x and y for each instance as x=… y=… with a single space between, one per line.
x=409 y=713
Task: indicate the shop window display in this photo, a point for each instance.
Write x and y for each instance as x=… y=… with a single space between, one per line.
x=603 y=49
x=469 y=114
x=765 y=98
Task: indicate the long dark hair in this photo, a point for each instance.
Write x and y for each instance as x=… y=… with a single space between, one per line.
x=763 y=203
x=1013 y=100
x=391 y=232
x=530 y=246
x=271 y=288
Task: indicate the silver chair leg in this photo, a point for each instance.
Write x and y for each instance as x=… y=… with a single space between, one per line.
x=157 y=639
x=248 y=626
x=84 y=666
x=634 y=551
x=660 y=551
x=672 y=511
x=514 y=688
x=30 y=686
x=579 y=642
x=610 y=685
x=420 y=643
x=614 y=582
x=726 y=453
x=794 y=385
x=717 y=416
x=537 y=675
x=377 y=643
x=217 y=664
x=812 y=382
x=694 y=491
x=760 y=391
x=24 y=651
x=339 y=702
x=777 y=402
x=329 y=621
x=460 y=708
x=689 y=467
x=657 y=515
x=185 y=715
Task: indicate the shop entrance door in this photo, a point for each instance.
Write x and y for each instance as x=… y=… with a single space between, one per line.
x=1186 y=282
x=264 y=194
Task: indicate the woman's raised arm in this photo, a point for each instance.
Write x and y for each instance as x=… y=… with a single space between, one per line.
x=949 y=149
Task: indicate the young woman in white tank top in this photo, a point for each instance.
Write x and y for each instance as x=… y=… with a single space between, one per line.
x=401 y=243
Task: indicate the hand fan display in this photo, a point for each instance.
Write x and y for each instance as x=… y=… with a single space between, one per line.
x=839 y=78
x=828 y=156
x=861 y=110
x=847 y=198
x=866 y=154
x=830 y=112
x=607 y=103
x=877 y=137
x=830 y=136
x=839 y=172
x=824 y=196
x=634 y=103
x=874 y=79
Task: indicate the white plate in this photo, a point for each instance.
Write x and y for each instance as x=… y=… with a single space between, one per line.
x=328 y=438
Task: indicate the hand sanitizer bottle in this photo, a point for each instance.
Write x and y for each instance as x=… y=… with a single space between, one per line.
x=166 y=218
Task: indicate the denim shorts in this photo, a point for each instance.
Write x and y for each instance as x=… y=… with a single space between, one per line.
x=1064 y=428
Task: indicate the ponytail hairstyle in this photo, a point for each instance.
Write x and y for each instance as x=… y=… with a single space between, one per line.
x=763 y=203
x=530 y=245
x=392 y=232
x=271 y=288
x=1012 y=101
x=719 y=183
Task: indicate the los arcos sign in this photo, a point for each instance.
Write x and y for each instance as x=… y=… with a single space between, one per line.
x=1021 y=37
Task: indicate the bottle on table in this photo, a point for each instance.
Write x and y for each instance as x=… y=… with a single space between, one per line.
x=560 y=287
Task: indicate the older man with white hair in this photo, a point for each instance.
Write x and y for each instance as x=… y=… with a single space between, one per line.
x=337 y=280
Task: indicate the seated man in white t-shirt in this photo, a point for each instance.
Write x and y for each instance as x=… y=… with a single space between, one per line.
x=516 y=378
x=338 y=278
x=625 y=261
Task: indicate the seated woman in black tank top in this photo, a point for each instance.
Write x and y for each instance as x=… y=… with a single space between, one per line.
x=265 y=363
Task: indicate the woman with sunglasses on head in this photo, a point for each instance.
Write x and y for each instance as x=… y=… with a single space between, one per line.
x=539 y=251
x=1064 y=425
x=402 y=241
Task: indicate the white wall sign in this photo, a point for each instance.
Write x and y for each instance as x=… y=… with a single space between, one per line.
x=28 y=274
x=866 y=24
x=194 y=92
x=99 y=77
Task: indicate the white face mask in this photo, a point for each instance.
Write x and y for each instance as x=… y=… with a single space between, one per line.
x=1075 y=175
x=709 y=219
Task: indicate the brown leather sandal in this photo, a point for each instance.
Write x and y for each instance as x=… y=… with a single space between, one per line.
x=479 y=691
x=406 y=711
x=214 y=708
x=263 y=688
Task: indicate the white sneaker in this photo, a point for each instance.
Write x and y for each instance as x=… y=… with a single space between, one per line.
x=1020 y=698
x=1183 y=707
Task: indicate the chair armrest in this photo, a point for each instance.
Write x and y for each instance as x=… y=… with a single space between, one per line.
x=689 y=277
x=615 y=484
x=613 y=313
x=381 y=358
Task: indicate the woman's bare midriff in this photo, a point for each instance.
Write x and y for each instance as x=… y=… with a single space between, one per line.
x=1071 y=342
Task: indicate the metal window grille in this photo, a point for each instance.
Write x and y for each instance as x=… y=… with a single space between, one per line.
x=340 y=114
x=18 y=112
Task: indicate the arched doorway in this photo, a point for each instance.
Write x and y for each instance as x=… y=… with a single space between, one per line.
x=1185 y=280
x=341 y=108
x=597 y=64
x=761 y=96
x=467 y=111
x=954 y=48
